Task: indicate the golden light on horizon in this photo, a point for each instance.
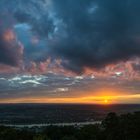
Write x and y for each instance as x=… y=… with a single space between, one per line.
x=103 y=96
x=104 y=100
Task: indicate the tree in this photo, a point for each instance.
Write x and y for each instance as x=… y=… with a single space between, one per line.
x=69 y=138
x=40 y=137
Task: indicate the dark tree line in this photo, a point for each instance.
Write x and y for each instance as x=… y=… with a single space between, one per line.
x=113 y=127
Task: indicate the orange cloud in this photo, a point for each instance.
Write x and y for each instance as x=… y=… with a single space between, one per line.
x=9 y=35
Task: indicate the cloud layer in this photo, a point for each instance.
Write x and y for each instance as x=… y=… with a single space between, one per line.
x=83 y=34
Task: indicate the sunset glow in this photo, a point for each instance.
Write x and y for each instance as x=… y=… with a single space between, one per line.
x=122 y=99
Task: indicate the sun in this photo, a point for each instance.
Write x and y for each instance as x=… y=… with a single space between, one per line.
x=105 y=101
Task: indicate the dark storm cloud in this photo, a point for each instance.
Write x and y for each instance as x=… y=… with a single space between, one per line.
x=10 y=53
x=40 y=22
x=83 y=33
x=10 y=48
x=7 y=53
x=35 y=14
x=98 y=32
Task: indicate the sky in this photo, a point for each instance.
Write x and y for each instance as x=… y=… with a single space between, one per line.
x=70 y=51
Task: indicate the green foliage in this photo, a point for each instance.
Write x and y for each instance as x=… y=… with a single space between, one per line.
x=69 y=138
x=40 y=137
x=89 y=132
x=124 y=127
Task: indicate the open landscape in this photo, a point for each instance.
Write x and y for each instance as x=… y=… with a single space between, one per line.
x=39 y=114
x=112 y=127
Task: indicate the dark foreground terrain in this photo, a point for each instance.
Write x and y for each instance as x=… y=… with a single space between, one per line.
x=58 y=113
x=113 y=127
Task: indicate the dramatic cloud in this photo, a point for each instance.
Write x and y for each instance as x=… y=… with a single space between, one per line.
x=11 y=50
x=82 y=33
x=97 y=32
x=58 y=86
